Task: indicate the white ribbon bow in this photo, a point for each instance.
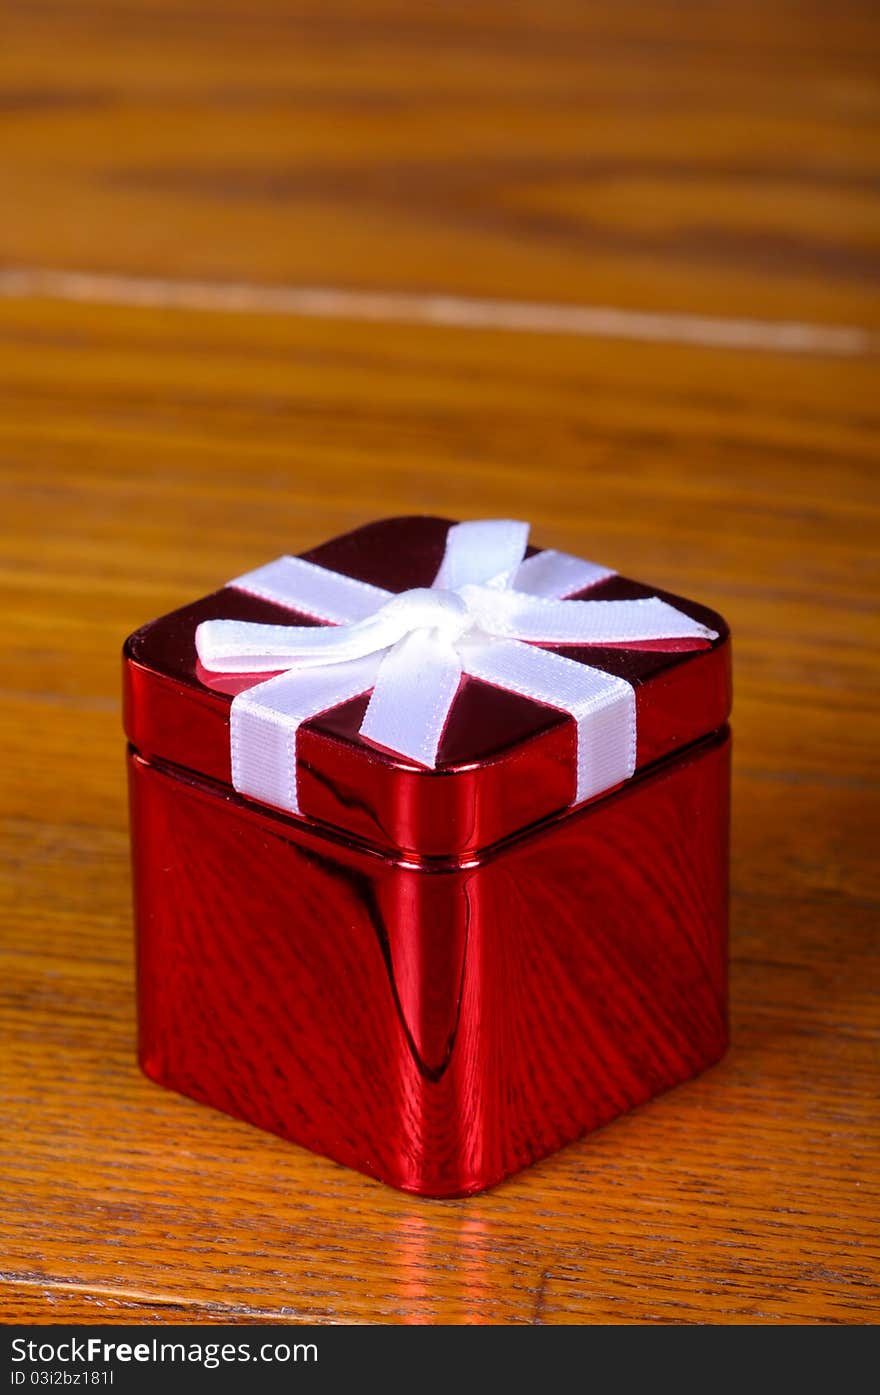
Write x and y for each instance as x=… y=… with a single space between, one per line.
x=484 y=614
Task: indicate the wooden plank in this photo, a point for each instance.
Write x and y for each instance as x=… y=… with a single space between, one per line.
x=40 y=1302
x=145 y=456
x=724 y=163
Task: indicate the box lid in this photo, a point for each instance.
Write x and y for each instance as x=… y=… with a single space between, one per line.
x=505 y=761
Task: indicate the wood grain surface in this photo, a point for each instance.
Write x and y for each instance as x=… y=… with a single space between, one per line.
x=714 y=158
x=722 y=163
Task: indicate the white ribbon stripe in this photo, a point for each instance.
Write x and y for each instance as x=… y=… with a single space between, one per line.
x=484 y=615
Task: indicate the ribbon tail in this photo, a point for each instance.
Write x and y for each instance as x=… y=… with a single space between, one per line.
x=414 y=692
x=264 y=724
x=602 y=705
x=477 y=553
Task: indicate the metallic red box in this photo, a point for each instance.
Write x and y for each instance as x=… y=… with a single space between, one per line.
x=433 y=976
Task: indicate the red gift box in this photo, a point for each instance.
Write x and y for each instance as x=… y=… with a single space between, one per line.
x=438 y=969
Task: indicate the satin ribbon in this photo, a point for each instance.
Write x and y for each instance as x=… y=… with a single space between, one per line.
x=485 y=614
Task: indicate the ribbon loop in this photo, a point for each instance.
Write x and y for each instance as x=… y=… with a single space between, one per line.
x=517 y=616
x=488 y=551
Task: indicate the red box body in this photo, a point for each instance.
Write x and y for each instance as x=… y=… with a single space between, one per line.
x=435 y=977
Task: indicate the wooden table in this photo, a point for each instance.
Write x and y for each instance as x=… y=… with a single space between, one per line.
x=270 y=270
